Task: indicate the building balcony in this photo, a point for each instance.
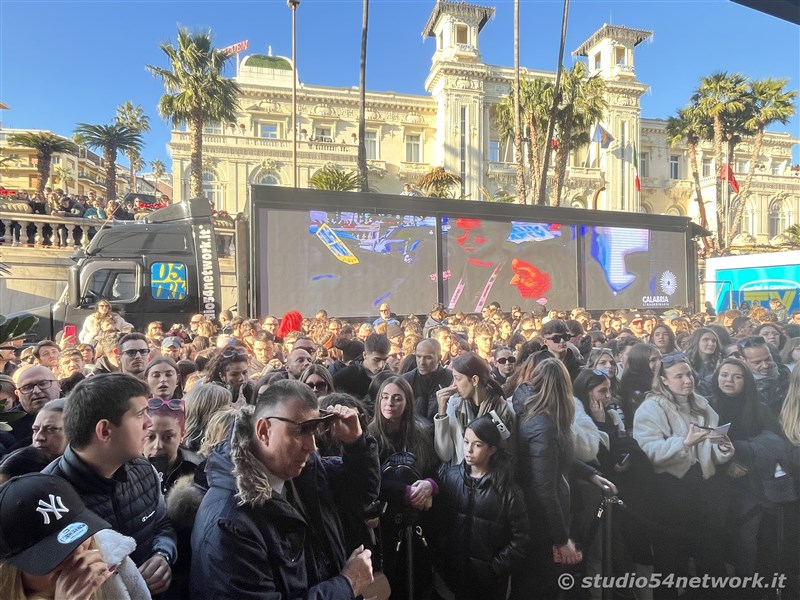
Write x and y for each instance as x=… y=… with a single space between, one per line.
x=413 y=170
x=244 y=145
x=624 y=72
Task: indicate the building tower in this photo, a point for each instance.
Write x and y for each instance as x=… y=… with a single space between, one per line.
x=610 y=52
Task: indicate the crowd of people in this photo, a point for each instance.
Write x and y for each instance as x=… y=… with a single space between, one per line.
x=57 y=203
x=454 y=456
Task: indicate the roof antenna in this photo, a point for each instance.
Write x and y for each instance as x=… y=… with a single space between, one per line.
x=269 y=50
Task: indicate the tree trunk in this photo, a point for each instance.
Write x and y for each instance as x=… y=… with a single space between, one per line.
x=758 y=144
x=562 y=157
x=196 y=157
x=535 y=155
x=133 y=159
x=42 y=170
x=363 y=171
x=521 y=196
x=701 y=208
x=556 y=100
x=110 y=158
x=721 y=213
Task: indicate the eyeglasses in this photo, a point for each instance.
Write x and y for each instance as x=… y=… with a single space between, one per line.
x=234 y=352
x=172 y=404
x=559 y=337
x=510 y=360
x=46 y=431
x=310 y=427
x=44 y=384
x=136 y=351
x=673 y=358
x=317 y=386
x=749 y=342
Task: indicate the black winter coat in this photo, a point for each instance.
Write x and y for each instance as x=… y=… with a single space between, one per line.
x=131 y=501
x=543 y=466
x=353 y=379
x=425 y=388
x=268 y=550
x=482 y=535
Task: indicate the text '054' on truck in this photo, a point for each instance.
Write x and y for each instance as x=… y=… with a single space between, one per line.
x=349 y=252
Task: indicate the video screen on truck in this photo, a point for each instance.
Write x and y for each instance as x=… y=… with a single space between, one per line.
x=346 y=262
x=626 y=267
x=510 y=262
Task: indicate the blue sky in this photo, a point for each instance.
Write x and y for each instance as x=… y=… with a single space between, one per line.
x=67 y=61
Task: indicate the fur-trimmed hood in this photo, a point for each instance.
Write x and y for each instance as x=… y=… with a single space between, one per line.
x=232 y=465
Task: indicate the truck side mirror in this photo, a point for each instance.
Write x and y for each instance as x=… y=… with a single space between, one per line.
x=74 y=284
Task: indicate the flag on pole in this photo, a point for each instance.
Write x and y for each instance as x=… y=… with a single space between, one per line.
x=636 y=169
x=727 y=174
x=602 y=137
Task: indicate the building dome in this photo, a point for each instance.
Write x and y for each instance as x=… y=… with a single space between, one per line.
x=267 y=61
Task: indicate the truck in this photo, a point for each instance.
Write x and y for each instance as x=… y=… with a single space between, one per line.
x=348 y=252
x=753 y=278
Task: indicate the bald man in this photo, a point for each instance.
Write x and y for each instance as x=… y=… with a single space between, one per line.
x=427 y=378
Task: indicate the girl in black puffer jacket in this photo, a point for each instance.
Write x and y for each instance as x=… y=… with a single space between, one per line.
x=481 y=519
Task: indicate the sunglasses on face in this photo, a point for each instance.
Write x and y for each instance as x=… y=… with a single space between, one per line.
x=317 y=386
x=309 y=427
x=42 y=385
x=559 y=337
x=137 y=351
x=510 y=360
x=172 y=404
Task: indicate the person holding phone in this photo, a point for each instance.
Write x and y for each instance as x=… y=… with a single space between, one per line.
x=669 y=429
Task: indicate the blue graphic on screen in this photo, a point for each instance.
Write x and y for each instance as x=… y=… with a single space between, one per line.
x=758 y=285
x=610 y=248
x=168 y=281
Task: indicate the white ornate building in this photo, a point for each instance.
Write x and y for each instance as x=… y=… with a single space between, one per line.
x=453 y=126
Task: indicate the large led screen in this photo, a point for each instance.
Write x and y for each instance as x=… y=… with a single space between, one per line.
x=757 y=285
x=532 y=265
x=627 y=268
x=346 y=262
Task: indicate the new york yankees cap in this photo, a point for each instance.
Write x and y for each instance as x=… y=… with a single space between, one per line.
x=42 y=521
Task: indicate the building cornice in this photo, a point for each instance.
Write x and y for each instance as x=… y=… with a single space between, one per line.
x=480 y=14
x=615 y=32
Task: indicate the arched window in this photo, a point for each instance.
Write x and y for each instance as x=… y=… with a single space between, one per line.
x=212 y=189
x=674 y=210
x=577 y=203
x=268 y=179
x=778 y=217
x=645 y=209
x=749 y=220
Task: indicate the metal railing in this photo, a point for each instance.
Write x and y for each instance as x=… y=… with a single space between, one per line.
x=48 y=231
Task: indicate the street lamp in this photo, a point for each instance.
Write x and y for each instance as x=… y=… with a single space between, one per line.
x=293 y=4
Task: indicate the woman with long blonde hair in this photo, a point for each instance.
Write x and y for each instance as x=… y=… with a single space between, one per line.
x=790 y=413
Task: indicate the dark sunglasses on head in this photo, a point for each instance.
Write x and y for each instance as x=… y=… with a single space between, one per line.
x=751 y=341
x=135 y=351
x=510 y=360
x=233 y=352
x=309 y=427
x=673 y=358
x=559 y=337
x=172 y=404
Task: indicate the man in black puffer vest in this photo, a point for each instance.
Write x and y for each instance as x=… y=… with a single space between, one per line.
x=106 y=422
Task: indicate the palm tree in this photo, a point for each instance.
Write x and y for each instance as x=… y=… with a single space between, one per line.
x=197 y=93
x=363 y=171
x=542 y=199
x=137 y=164
x=718 y=97
x=333 y=179
x=111 y=138
x=688 y=125
x=535 y=100
x=159 y=168
x=134 y=118
x=438 y=183
x=46 y=144
x=64 y=174
x=582 y=103
x=769 y=103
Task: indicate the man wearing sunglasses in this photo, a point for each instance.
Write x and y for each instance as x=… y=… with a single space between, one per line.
x=133 y=354
x=556 y=336
x=36 y=386
x=273 y=529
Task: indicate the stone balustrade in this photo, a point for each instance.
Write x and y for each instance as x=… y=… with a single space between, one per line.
x=35 y=230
